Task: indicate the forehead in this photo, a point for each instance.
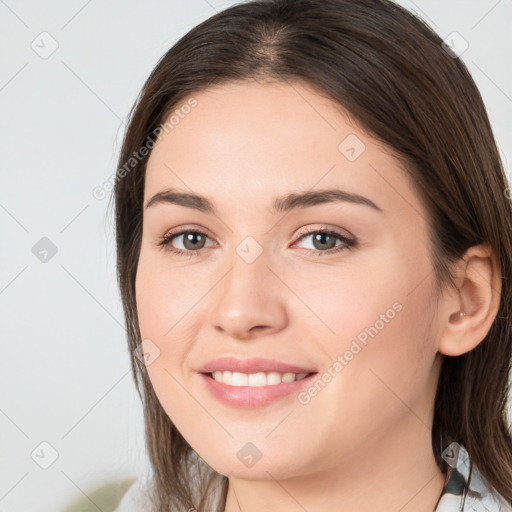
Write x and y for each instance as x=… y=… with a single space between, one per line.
x=257 y=141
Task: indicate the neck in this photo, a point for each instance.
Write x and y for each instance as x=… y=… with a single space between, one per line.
x=396 y=473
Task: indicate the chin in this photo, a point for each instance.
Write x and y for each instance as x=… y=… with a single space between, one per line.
x=243 y=467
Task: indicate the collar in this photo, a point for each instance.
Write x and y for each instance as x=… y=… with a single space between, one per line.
x=466 y=490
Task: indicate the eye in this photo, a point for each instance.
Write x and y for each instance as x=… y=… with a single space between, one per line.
x=192 y=241
x=324 y=241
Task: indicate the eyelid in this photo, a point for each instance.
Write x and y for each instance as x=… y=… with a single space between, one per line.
x=349 y=241
x=171 y=234
x=187 y=228
x=303 y=231
x=325 y=227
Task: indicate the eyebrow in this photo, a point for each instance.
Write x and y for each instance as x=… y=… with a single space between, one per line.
x=285 y=203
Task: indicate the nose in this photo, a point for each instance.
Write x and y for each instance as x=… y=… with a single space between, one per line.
x=249 y=301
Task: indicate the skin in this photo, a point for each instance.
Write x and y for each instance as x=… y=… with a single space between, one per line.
x=364 y=442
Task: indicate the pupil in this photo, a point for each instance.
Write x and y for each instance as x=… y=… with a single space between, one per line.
x=320 y=237
x=190 y=237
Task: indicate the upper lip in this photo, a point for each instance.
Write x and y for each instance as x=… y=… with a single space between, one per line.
x=253 y=365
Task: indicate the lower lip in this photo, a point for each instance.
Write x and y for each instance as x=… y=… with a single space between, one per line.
x=251 y=397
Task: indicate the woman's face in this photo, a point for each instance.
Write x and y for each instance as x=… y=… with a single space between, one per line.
x=256 y=279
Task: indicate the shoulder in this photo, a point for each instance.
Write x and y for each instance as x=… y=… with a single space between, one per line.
x=137 y=497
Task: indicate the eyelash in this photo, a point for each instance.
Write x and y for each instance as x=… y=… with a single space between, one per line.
x=348 y=243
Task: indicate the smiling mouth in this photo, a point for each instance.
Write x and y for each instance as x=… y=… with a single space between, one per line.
x=259 y=379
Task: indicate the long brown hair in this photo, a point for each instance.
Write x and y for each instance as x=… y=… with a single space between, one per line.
x=390 y=71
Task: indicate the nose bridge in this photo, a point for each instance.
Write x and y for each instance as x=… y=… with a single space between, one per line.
x=246 y=297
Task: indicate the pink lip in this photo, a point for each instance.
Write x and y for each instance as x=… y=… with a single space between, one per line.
x=247 y=397
x=253 y=365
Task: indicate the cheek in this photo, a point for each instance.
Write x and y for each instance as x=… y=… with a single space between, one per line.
x=377 y=323
x=349 y=300
x=162 y=319
x=165 y=299
x=170 y=305
x=162 y=307
x=379 y=374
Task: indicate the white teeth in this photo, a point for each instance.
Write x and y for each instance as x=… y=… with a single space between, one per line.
x=255 y=379
x=239 y=379
x=273 y=378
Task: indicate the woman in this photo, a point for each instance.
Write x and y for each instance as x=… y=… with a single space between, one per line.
x=314 y=238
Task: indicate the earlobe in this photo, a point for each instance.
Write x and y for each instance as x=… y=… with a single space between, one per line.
x=477 y=298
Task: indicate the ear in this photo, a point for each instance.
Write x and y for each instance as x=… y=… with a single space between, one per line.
x=478 y=280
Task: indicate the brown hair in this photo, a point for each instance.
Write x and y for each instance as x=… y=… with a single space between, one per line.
x=389 y=70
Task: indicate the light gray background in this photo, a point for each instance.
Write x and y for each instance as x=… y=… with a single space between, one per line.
x=64 y=368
